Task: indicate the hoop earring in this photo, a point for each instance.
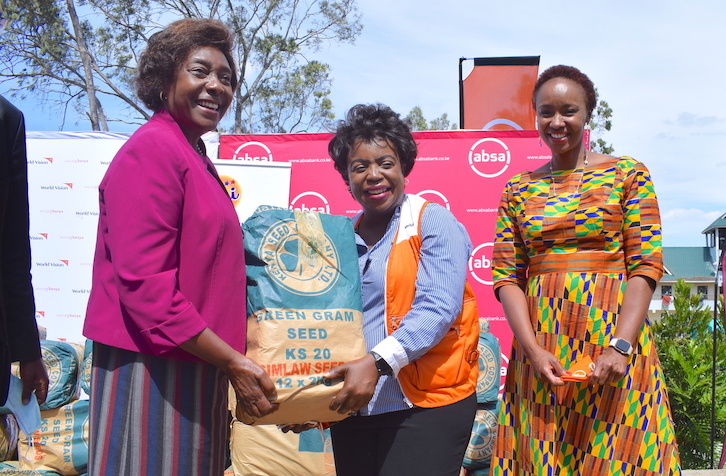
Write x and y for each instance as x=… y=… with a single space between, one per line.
x=162 y=96
x=405 y=181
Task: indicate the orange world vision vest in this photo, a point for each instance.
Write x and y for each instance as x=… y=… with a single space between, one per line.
x=448 y=372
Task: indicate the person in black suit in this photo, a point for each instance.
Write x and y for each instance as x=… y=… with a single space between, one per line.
x=18 y=330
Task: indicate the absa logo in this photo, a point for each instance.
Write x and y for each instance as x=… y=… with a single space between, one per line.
x=480 y=263
x=234 y=190
x=310 y=201
x=436 y=197
x=489 y=157
x=253 y=152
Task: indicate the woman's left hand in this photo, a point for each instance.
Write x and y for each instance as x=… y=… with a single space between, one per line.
x=609 y=367
x=360 y=378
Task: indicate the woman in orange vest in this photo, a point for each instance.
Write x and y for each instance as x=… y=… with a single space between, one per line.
x=412 y=397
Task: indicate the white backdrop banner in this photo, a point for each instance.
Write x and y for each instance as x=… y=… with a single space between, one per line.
x=64 y=170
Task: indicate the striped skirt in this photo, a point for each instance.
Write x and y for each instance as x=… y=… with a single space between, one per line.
x=155 y=416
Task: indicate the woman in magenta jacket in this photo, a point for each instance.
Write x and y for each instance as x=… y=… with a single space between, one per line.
x=167 y=305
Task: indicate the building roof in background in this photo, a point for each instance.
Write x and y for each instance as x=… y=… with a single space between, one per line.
x=688 y=262
x=720 y=222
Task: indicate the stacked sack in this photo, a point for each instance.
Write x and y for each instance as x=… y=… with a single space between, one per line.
x=479 y=452
x=60 y=446
x=264 y=450
x=9 y=435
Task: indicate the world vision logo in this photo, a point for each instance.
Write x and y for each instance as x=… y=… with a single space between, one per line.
x=303 y=265
x=436 y=197
x=63 y=186
x=489 y=157
x=234 y=190
x=41 y=161
x=480 y=263
x=253 y=152
x=310 y=202
x=39 y=236
x=61 y=263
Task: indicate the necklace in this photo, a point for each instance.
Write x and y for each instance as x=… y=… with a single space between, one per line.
x=552 y=177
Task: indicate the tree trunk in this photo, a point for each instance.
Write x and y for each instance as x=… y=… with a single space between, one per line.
x=238 y=112
x=95 y=113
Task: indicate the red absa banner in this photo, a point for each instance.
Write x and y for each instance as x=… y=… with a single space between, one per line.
x=465 y=171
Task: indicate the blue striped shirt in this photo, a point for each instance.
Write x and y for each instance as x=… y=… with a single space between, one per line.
x=445 y=252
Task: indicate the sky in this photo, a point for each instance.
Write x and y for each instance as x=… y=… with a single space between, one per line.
x=660 y=65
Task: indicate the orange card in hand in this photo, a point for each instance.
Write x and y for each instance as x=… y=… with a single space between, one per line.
x=579 y=370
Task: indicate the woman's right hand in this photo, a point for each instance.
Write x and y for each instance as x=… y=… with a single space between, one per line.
x=546 y=367
x=256 y=392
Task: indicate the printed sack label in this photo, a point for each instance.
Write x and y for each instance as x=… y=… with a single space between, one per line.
x=304 y=308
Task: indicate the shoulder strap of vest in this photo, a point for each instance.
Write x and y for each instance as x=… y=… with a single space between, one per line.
x=402 y=262
x=409 y=224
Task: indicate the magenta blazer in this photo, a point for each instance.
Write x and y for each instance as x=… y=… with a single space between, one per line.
x=169 y=260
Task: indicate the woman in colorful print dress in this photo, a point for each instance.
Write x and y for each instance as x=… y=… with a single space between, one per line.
x=576 y=259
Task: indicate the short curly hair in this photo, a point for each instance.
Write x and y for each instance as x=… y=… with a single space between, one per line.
x=168 y=48
x=573 y=74
x=369 y=123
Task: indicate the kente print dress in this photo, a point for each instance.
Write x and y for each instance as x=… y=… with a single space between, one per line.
x=571 y=240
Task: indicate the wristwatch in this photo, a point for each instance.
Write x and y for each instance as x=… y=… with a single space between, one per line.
x=622 y=346
x=382 y=365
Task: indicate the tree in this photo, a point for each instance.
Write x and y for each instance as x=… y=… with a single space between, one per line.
x=48 y=52
x=684 y=338
x=601 y=122
x=280 y=98
x=42 y=56
x=418 y=121
x=441 y=123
